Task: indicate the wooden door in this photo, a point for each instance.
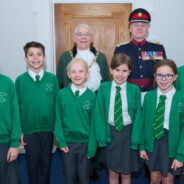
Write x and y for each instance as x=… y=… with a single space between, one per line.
x=108 y=21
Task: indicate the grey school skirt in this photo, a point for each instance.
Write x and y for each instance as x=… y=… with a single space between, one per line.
x=118 y=155
x=159 y=160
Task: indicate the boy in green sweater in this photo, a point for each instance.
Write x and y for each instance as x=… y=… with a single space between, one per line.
x=36 y=91
x=9 y=132
x=73 y=119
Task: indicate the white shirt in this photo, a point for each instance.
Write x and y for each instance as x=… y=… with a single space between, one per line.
x=81 y=91
x=126 y=117
x=169 y=95
x=94 y=79
x=33 y=74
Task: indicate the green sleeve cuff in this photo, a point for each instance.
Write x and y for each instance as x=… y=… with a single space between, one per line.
x=102 y=143
x=91 y=154
x=62 y=144
x=15 y=144
x=134 y=146
x=142 y=148
x=180 y=157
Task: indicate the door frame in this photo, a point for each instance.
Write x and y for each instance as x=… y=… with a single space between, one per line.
x=75 y=2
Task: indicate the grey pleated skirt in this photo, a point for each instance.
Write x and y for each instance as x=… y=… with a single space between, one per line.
x=159 y=160
x=118 y=155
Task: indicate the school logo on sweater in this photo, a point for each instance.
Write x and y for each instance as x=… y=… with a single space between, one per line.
x=49 y=87
x=180 y=107
x=3 y=97
x=86 y=105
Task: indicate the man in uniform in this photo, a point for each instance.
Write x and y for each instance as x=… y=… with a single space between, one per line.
x=144 y=54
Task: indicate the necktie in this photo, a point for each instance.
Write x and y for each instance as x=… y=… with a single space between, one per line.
x=77 y=93
x=37 y=78
x=118 y=115
x=158 y=124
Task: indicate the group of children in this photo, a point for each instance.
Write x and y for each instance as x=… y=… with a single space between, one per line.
x=82 y=121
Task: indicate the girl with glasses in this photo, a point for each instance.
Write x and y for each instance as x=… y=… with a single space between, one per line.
x=162 y=145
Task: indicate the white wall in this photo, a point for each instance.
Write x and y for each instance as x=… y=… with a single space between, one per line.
x=168 y=27
x=27 y=20
x=23 y=21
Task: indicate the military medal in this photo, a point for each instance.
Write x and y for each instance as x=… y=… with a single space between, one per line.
x=151 y=55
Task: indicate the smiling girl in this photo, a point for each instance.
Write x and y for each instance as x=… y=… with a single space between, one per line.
x=117 y=120
x=162 y=141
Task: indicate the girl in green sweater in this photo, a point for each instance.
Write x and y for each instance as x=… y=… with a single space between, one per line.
x=117 y=120
x=73 y=121
x=162 y=145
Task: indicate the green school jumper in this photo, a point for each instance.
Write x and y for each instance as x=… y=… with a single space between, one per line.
x=101 y=113
x=37 y=102
x=180 y=80
x=73 y=116
x=66 y=57
x=9 y=113
x=176 y=124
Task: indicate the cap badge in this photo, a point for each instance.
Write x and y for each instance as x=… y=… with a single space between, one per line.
x=139 y=14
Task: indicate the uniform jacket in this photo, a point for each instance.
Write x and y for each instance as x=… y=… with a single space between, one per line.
x=144 y=56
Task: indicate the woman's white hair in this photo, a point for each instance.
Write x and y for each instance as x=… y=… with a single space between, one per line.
x=83 y=25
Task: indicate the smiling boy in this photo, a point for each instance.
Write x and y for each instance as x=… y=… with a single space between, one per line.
x=36 y=91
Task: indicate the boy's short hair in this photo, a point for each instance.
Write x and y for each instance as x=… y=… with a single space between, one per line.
x=77 y=60
x=33 y=44
x=120 y=59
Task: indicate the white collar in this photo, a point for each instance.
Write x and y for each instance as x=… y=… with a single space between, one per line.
x=123 y=86
x=74 y=88
x=33 y=74
x=83 y=51
x=168 y=94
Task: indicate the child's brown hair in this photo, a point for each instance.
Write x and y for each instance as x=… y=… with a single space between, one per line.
x=33 y=44
x=166 y=62
x=119 y=59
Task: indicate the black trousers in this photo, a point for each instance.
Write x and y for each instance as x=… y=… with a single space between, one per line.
x=38 y=156
x=76 y=164
x=9 y=171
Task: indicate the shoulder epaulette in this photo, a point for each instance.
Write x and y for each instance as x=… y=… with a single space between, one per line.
x=155 y=42
x=122 y=43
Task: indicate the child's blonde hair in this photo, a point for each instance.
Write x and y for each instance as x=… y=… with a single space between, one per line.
x=77 y=60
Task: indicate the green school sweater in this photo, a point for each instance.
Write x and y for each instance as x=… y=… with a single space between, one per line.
x=101 y=113
x=73 y=116
x=9 y=113
x=66 y=57
x=180 y=80
x=37 y=102
x=176 y=124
